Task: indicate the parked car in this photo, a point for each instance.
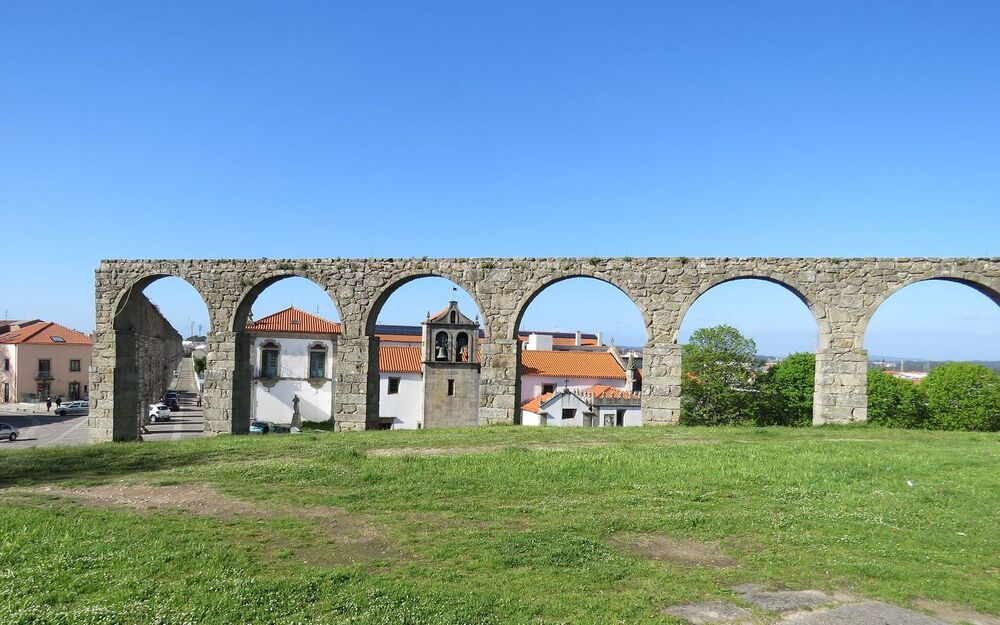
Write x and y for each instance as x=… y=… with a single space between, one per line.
x=269 y=427
x=172 y=400
x=78 y=407
x=9 y=432
x=159 y=412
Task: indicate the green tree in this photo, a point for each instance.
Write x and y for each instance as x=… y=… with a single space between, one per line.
x=787 y=391
x=199 y=364
x=717 y=382
x=963 y=396
x=895 y=403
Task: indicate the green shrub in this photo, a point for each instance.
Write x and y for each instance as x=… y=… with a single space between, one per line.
x=895 y=403
x=787 y=391
x=963 y=396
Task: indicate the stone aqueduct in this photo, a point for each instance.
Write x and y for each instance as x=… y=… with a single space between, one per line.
x=842 y=294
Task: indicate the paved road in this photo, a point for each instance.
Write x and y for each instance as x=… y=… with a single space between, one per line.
x=44 y=430
x=41 y=429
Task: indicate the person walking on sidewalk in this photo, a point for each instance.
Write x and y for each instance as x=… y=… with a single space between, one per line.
x=48 y=404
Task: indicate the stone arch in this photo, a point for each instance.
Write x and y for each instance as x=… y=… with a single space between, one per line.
x=815 y=308
x=147 y=351
x=250 y=293
x=537 y=289
x=244 y=360
x=972 y=281
x=375 y=308
x=373 y=379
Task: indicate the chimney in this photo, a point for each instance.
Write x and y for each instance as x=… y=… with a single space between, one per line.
x=600 y=338
x=576 y=340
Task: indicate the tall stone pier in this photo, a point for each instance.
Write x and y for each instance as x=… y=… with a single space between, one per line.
x=841 y=293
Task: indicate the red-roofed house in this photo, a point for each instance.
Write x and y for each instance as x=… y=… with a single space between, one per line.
x=43 y=359
x=293 y=356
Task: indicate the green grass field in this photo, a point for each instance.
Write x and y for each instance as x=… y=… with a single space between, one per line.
x=492 y=525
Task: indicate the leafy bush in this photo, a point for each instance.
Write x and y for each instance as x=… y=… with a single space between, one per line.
x=895 y=403
x=787 y=391
x=963 y=396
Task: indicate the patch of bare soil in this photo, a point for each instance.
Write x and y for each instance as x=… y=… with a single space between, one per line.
x=670 y=549
x=956 y=613
x=344 y=537
x=486 y=449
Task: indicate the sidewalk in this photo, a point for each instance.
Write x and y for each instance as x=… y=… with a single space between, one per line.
x=27 y=408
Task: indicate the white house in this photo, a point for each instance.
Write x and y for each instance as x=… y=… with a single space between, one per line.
x=293 y=356
x=567 y=379
x=401 y=387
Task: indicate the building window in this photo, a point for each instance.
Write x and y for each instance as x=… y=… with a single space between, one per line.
x=6 y=364
x=620 y=418
x=451 y=387
x=269 y=361
x=454 y=317
x=548 y=388
x=393 y=386
x=74 y=365
x=569 y=413
x=44 y=365
x=317 y=362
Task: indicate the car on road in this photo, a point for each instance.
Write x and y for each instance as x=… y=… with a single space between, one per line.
x=172 y=400
x=9 y=432
x=269 y=427
x=73 y=408
x=159 y=412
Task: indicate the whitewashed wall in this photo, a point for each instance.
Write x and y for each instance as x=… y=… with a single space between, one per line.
x=561 y=402
x=274 y=403
x=633 y=416
x=406 y=406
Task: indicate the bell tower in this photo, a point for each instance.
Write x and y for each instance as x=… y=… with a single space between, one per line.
x=451 y=368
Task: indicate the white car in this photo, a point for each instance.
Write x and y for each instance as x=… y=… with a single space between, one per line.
x=159 y=412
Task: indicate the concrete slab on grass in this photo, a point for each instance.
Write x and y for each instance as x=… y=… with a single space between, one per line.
x=868 y=613
x=708 y=612
x=783 y=600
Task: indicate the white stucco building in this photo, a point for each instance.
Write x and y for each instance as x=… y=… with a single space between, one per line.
x=567 y=379
x=294 y=354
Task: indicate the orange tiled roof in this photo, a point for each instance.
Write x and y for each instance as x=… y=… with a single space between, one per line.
x=400 y=338
x=571 y=364
x=292 y=319
x=603 y=391
x=46 y=333
x=536 y=404
x=399 y=359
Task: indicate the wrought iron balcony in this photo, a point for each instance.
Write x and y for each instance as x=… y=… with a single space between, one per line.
x=43 y=375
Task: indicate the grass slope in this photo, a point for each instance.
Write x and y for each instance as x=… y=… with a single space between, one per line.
x=498 y=525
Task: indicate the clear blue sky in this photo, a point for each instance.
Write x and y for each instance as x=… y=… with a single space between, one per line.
x=315 y=129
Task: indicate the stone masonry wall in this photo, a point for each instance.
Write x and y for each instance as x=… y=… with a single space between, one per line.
x=841 y=293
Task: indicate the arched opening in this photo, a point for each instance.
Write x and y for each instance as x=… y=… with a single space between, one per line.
x=288 y=330
x=161 y=327
x=425 y=371
x=934 y=357
x=580 y=356
x=749 y=355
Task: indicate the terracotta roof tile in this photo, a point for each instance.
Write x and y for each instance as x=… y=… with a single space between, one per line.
x=46 y=333
x=603 y=391
x=536 y=404
x=399 y=359
x=294 y=320
x=571 y=365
